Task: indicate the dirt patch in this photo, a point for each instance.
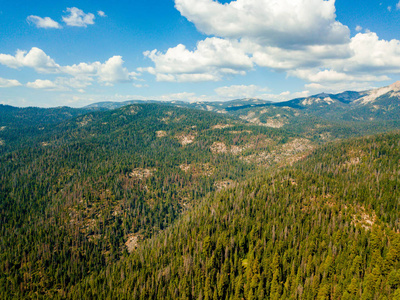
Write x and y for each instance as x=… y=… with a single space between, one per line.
x=236 y=150
x=161 y=133
x=273 y=123
x=1 y=142
x=221 y=185
x=186 y=139
x=94 y=237
x=165 y=120
x=198 y=169
x=239 y=132
x=363 y=218
x=140 y=173
x=221 y=126
x=2 y=128
x=45 y=144
x=351 y=162
x=218 y=147
x=132 y=242
x=288 y=153
x=325 y=136
x=131 y=110
x=85 y=120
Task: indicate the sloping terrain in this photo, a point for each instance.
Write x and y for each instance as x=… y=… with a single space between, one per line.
x=89 y=190
x=328 y=228
x=157 y=201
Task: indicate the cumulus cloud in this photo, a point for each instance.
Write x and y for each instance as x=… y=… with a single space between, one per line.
x=284 y=23
x=398 y=5
x=101 y=13
x=35 y=58
x=45 y=22
x=113 y=71
x=78 y=18
x=212 y=58
x=82 y=74
x=299 y=37
x=42 y=84
x=5 y=83
x=61 y=84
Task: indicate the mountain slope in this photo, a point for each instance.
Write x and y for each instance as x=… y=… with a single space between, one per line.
x=325 y=229
x=90 y=189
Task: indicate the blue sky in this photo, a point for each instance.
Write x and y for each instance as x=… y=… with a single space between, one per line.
x=79 y=52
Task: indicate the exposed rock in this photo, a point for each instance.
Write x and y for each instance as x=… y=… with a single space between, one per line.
x=198 y=169
x=132 y=242
x=218 y=147
x=161 y=133
x=140 y=173
x=186 y=139
x=221 y=185
x=221 y=126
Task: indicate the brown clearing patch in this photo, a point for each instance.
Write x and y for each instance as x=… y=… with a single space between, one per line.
x=218 y=147
x=238 y=132
x=221 y=185
x=363 y=218
x=140 y=173
x=198 y=169
x=186 y=139
x=132 y=242
x=161 y=133
x=221 y=126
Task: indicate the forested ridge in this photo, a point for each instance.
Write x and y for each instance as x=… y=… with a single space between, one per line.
x=159 y=202
x=327 y=228
x=84 y=188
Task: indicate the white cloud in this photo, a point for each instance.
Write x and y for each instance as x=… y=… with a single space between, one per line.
x=107 y=73
x=42 y=84
x=4 y=83
x=35 y=58
x=45 y=22
x=101 y=13
x=239 y=91
x=61 y=84
x=113 y=71
x=389 y=8
x=372 y=54
x=211 y=59
x=110 y=71
x=398 y=5
x=78 y=18
x=284 y=23
x=282 y=35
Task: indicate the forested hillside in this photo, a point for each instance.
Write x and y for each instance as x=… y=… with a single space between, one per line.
x=327 y=228
x=155 y=201
x=87 y=191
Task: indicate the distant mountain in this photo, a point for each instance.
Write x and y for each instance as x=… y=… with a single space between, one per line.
x=376 y=104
